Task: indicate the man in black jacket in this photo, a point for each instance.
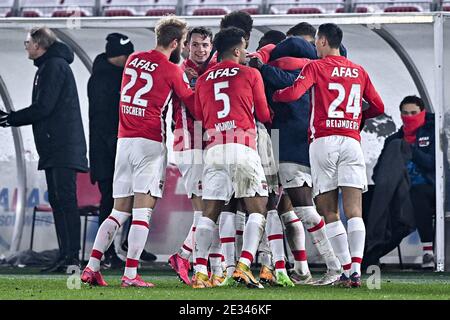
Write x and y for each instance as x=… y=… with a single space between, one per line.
x=58 y=133
x=104 y=95
x=418 y=133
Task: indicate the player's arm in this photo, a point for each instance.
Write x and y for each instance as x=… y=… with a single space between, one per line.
x=198 y=107
x=376 y=105
x=304 y=81
x=259 y=99
x=51 y=80
x=278 y=78
x=183 y=91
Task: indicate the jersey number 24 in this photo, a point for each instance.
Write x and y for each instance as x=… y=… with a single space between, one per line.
x=353 y=101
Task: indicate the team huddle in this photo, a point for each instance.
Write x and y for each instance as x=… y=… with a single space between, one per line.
x=226 y=104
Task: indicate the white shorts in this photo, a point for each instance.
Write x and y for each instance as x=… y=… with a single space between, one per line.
x=268 y=161
x=140 y=167
x=337 y=161
x=190 y=164
x=294 y=175
x=233 y=168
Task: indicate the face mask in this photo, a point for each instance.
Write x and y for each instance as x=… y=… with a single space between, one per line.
x=411 y=124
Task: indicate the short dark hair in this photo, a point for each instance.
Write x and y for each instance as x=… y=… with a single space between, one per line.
x=302 y=29
x=227 y=39
x=332 y=33
x=168 y=29
x=238 y=19
x=413 y=100
x=203 y=31
x=271 y=37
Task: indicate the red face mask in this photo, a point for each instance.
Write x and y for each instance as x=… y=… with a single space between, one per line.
x=411 y=124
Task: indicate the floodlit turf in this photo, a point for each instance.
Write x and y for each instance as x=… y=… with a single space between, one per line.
x=393 y=286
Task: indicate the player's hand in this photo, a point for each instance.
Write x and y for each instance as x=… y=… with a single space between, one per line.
x=256 y=63
x=4 y=119
x=191 y=74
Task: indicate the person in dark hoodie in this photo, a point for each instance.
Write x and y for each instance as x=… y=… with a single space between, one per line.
x=104 y=96
x=58 y=133
x=292 y=122
x=418 y=132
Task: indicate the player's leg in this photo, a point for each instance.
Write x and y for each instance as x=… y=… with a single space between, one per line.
x=324 y=155
x=352 y=180
x=352 y=202
x=240 y=225
x=327 y=206
x=149 y=161
x=105 y=236
x=304 y=208
x=179 y=261
x=123 y=204
x=186 y=249
x=266 y=273
x=217 y=190
x=253 y=232
x=275 y=236
x=295 y=235
x=203 y=241
x=137 y=238
x=215 y=258
x=227 y=233
x=190 y=165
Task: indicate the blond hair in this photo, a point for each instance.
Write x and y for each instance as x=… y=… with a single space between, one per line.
x=168 y=29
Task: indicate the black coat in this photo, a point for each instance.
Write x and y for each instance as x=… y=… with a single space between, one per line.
x=423 y=150
x=55 y=112
x=390 y=217
x=104 y=95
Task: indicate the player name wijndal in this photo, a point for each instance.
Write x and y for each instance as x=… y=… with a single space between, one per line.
x=227 y=125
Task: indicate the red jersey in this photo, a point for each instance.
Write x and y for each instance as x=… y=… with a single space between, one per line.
x=185 y=137
x=337 y=88
x=226 y=98
x=148 y=82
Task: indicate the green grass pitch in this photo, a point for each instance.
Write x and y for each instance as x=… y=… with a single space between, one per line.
x=30 y=285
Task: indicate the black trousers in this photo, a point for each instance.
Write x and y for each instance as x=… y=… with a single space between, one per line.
x=423 y=198
x=62 y=195
x=106 y=205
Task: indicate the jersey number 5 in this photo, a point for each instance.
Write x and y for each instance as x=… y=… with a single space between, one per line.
x=353 y=101
x=220 y=96
x=147 y=77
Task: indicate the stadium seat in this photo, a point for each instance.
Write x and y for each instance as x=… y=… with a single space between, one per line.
x=209 y=12
x=251 y=10
x=402 y=9
x=304 y=10
x=159 y=12
x=357 y=10
x=30 y=14
x=118 y=13
x=88 y=197
x=68 y=13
